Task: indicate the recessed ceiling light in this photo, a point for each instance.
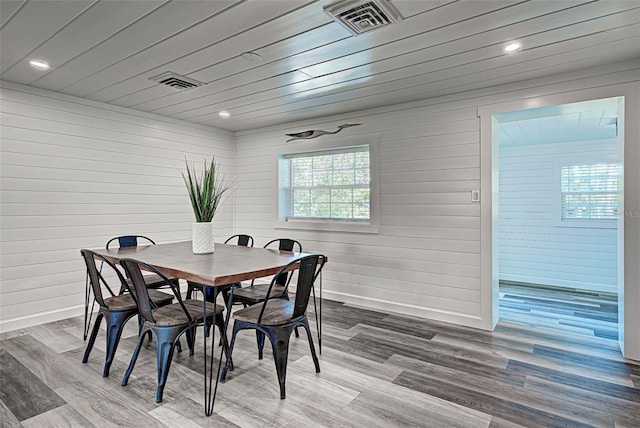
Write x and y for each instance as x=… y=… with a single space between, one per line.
x=224 y=114
x=251 y=56
x=511 y=47
x=39 y=64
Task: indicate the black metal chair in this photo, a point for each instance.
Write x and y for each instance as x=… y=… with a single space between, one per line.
x=278 y=317
x=115 y=309
x=241 y=239
x=167 y=323
x=256 y=293
x=211 y=294
x=152 y=281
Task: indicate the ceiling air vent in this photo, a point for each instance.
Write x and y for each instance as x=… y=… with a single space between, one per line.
x=177 y=81
x=360 y=16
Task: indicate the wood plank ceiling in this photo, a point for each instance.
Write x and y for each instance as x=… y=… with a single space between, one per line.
x=311 y=66
x=587 y=120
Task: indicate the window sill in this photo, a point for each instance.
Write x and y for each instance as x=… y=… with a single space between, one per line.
x=329 y=226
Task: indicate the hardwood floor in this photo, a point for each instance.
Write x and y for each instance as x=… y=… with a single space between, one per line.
x=564 y=309
x=378 y=370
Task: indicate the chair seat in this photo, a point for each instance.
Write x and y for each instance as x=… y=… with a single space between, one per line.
x=173 y=315
x=276 y=312
x=125 y=302
x=257 y=293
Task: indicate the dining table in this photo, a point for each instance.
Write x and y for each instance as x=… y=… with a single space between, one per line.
x=228 y=264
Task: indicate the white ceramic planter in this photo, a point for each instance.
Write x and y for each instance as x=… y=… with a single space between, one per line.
x=202 y=238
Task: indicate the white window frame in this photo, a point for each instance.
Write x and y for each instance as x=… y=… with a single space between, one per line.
x=283 y=204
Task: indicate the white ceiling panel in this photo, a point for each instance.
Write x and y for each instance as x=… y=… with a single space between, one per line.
x=167 y=21
x=107 y=50
x=401 y=91
x=8 y=8
x=33 y=23
x=435 y=78
x=589 y=120
x=66 y=44
x=389 y=44
x=228 y=25
x=472 y=49
x=199 y=65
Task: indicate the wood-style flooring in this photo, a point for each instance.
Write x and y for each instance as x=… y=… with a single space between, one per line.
x=378 y=370
x=564 y=309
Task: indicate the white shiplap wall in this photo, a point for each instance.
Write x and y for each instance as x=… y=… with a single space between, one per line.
x=425 y=259
x=76 y=173
x=535 y=245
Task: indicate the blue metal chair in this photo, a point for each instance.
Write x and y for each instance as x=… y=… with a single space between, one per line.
x=116 y=309
x=278 y=317
x=256 y=293
x=167 y=323
x=125 y=241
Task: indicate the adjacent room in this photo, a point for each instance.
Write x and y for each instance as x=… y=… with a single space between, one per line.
x=319 y=213
x=558 y=195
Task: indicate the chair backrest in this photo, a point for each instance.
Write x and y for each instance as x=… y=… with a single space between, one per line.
x=130 y=241
x=141 y=292
x=284 y=244
x=244 y=240
x=95 y=275
x=309 y=267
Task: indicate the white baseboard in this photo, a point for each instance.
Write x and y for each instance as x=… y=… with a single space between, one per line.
x=41 y=318
x=404 y=309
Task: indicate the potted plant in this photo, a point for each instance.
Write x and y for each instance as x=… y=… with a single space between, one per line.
x=206 y=189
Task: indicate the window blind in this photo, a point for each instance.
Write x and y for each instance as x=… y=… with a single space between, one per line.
x=589 y=192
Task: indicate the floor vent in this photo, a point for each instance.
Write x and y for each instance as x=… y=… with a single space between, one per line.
x=177 y=81
x=360 y=16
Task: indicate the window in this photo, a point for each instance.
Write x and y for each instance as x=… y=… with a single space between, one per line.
x=589 y=192
x=326 y=185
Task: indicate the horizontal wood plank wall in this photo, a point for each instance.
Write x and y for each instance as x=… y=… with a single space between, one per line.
x=76 y=173
x=535 y=245
x=425 y=259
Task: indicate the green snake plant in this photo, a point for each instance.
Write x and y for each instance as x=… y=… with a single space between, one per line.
x=206 y=189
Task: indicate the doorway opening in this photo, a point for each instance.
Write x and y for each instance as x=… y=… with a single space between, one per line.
x=558 y=198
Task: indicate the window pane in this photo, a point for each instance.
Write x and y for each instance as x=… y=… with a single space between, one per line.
x=343 y=161
x=361 y=196
x=361 y=211
x=362 y=176
x=300 y=196
x=301 y=210
x=341 y=210
x=362 y=160
x=343 y=178
x=322 y=177
x=320 y=210
x=302 y=178
x=322 y=162
x=321 y=195
x=341 y=196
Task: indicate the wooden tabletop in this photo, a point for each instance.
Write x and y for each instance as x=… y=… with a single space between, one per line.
x=226 y=265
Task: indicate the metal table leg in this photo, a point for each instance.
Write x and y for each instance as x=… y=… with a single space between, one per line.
x=88 y=314
x=320 y=318
x=318 y=313
x=211 y=390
